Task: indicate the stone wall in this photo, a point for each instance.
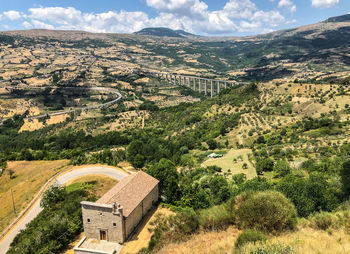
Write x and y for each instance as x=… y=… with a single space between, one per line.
x=151 y=198
x=141 y=210
x=101 y=217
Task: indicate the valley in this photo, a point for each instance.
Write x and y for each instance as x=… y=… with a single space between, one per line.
x=249 y=137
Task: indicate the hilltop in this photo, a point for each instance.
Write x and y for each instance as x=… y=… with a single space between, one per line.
x=165 y=32
x=313 y=53
x=282 y=139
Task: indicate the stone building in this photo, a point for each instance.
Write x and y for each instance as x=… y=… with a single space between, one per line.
x=115 y=215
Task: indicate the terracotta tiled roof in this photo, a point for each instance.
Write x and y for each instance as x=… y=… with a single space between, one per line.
x=130 y=191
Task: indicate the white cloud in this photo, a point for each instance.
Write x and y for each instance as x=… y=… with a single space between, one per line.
x=239 y=9
x=273 y=18
x=27 y=25
x=180 y=8
x=287 y=4
x=324 y=3
x=42 y=25
x=191 y=15
x=12 y=15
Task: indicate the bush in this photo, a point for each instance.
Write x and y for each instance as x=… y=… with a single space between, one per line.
x=174 y=228
x=322 y=220
x=250 y=236
x=217 y=217
x=268 y=248
x=267 y=211
x=264 y=165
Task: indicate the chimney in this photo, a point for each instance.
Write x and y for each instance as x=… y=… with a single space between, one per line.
x=117 y=209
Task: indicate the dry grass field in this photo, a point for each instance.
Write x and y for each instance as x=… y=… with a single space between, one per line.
x=233 y=161
x=302 y=241
x=213 y=242
x=142 y=235
x=310 y=241
x=30 y=176
x=102 y=183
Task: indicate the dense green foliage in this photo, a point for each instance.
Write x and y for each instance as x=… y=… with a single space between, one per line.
x=54 y=228
x=267 y=211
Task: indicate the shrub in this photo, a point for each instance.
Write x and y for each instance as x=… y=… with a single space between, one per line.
x=174 y=228
x=267 y=211
x=268 y=248
x=322 y=220
x=217 y=217
x=250 y=236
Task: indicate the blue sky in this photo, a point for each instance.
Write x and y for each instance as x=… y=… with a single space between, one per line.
x=205 y=17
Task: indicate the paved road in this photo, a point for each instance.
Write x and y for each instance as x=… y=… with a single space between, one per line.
x=35 y=210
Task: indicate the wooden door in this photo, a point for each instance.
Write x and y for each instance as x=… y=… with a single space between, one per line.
x=103 y=235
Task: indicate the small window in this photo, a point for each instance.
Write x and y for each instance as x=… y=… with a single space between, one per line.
x=88 y=220
x=114 y=224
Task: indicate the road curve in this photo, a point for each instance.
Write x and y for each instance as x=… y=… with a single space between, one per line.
x=62 y=179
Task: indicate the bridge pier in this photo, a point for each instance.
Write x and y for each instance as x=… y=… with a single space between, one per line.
x=200 y=85
x=218 y=90
x=211 y=89
x=206 y=87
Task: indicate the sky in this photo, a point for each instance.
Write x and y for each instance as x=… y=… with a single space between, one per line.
x=202 y=17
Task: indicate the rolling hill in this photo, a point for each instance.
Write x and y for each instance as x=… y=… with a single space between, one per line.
x=165 y=32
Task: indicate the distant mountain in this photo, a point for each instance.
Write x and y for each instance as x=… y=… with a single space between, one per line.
x=343 y=18
x=164 y=32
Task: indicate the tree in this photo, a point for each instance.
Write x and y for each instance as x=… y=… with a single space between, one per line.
x=212 y=144
x=265 y=164
x=282 y=168
x=345 y=178
x=309 y=194
x=239 y=178
x=165 y=171
x=53 y=195
x=134 y=154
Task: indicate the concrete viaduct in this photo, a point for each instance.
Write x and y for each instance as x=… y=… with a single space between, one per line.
x=202 y=85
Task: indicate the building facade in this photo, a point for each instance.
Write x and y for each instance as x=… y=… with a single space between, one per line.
x=117 y=213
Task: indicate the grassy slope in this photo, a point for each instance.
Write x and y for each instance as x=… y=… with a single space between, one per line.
x=30 y=177
x=302 y=241
x=226 y=162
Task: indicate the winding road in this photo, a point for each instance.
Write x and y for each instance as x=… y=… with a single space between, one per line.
x=62 y=179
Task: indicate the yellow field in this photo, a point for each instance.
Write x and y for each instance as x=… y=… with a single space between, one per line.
x=309 y=241
x=302 y=241
x=205 y=243
x=30 y=177
x=227 y=162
